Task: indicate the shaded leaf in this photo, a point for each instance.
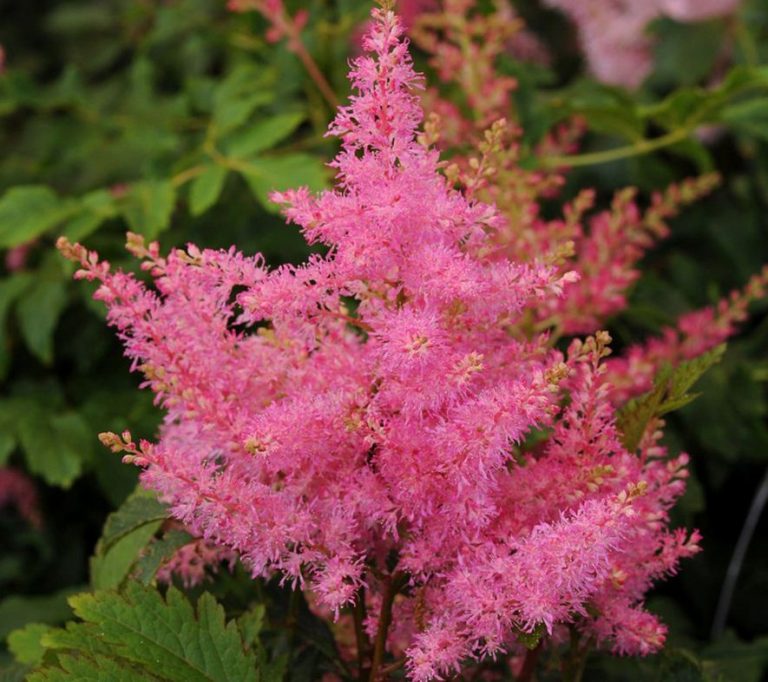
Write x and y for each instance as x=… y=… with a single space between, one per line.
x=55 y=445
x=38 y=310
x=206 y=189
x=266 y=175
x=126 y=532
x=28 y=211
x=11 y=289
x=148 y=207
x=263 y=135
x=95 y=208
x=158 y=553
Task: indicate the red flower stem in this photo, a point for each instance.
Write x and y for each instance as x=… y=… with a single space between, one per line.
x=391 y=587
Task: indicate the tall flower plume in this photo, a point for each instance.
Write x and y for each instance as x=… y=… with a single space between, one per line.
x=363 y=420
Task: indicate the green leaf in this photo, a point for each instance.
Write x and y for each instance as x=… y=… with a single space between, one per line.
x=263 y=135
x=251 y=623
x=232 y=113
x=749 y=117
x=141 y=507
x=95 y=208
x=11 y=289
x=110 y=567
x=164 y=639
x=158 y=553
x=206 y=189
x=38 y=311
x=55 y=445
x=670 y=392
x=26 y=645
x=238 y=96
x=90 y=669
x=607 y=109
x=738 y=661
x=28 y=211
x=148 y=207
x=126 y=532
x=265 y=175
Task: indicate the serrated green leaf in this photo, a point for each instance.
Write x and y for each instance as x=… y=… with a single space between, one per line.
x=140 y=508
x=91 y=669
x=28 y=211
x=269 y=174
x=166 y=639
x=158 y=553
x=26 y=645
x=206 y=189
x=148 y=207
x=251 y=623
x=670 y=392
x=633 y=418
x=262 y=135
x=689 y=372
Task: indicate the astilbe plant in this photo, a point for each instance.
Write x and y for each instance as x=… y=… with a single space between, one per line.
x=387 y=426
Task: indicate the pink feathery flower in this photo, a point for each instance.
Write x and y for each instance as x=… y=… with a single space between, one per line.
x=373 y=405
x=195 y=563
x=693 y=334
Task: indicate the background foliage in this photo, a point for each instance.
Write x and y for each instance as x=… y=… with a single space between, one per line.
x=174 y=120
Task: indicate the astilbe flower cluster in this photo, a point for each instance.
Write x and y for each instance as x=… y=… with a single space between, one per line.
x=614 y=33
x=195 y=563
x=389 y=420
x=603 y=248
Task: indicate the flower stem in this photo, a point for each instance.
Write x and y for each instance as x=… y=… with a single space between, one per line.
x=298 y=48
x=361 y=636
x=576 y=660
x=737 y=560
x=529 y=664
x=392 y=585
x=636 y=149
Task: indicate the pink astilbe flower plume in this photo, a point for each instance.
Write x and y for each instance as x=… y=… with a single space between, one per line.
x=362 y=420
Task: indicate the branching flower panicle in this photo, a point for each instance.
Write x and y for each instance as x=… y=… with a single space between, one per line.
x=365 y=423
